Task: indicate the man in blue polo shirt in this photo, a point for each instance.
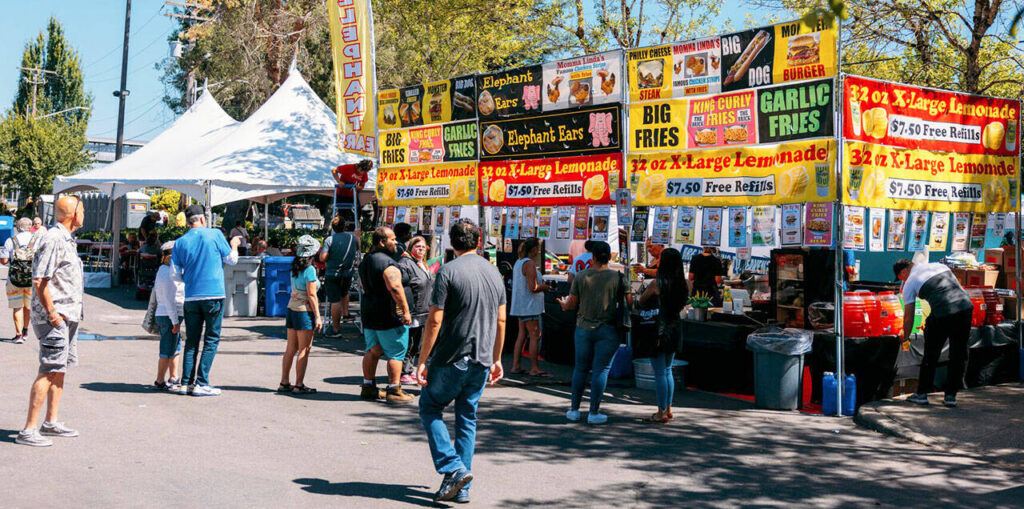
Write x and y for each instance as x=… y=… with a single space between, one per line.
x=198 y=259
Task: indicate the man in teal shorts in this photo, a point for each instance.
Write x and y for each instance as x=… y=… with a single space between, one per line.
x=385 y=316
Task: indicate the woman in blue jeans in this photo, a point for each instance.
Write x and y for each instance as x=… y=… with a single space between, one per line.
x=595 y=293
x=669 y=288
x=170 y=299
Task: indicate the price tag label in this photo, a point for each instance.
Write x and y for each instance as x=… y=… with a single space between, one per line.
x=903 y=189
x=912 y=128
x=684 y=188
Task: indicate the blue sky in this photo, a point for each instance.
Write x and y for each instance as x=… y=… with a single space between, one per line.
x=96 y=29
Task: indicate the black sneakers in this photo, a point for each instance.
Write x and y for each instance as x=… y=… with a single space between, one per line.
x=452 y=484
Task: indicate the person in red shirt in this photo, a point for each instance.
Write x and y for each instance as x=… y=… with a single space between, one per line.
x=351 y=178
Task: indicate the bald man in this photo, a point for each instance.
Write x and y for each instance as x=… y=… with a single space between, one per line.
x=56 y=313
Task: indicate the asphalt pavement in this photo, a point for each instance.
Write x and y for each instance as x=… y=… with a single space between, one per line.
x=251 y=447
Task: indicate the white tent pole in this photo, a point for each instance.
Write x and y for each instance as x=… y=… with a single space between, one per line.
x=266 y=220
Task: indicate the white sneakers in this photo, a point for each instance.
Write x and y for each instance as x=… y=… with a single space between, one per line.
x=592 y=418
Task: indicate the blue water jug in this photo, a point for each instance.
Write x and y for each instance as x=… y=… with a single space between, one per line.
x=849 y=395
x=828 y=394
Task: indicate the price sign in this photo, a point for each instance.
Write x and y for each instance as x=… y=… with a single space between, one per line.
x=902 y=189
x=684 y=188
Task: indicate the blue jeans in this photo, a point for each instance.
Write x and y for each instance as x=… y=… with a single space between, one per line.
x=198 y=313
x=462 y=383
x=170 y=343
x=594 y=349
x=664 y=382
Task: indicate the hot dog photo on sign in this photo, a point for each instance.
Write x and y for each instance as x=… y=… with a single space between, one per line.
x=747 y=59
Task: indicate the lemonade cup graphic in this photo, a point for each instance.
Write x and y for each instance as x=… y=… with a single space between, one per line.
x=1013 y=193
x=856 y=176
x=855 y=114
x=822 y=177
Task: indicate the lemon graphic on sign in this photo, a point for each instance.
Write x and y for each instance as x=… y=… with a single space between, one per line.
x=460 y=190
x=874 y=185
x=390 y=191
x=594 y=188
x=793 y=182
x=497 y=191
x=652 y=187
x=995 y=194
x=875 y=122
x=992 y=136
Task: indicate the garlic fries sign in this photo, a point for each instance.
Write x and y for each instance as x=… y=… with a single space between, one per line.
x=795 y=172
x=913 y=148
x=428 y=184
x=352 y=49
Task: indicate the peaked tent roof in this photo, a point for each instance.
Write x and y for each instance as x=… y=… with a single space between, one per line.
x=288 y=146
x=158 y=162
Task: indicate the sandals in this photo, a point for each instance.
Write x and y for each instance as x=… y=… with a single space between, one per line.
x=302 y=389
x=284 y=388
x=656 y=419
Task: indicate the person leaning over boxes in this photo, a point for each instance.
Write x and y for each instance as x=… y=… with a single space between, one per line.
x=950 y=319
x=56 y=315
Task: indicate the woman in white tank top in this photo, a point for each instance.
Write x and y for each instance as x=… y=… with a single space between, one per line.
x=528 y=304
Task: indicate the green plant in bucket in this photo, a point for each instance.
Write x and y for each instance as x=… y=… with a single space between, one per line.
x=699 y=300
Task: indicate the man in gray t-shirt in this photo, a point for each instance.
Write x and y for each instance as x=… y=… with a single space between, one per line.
x=339 y=254
x=950 y=319
x=462 y=339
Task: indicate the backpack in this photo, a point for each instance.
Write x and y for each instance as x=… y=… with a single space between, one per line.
x=20 y=272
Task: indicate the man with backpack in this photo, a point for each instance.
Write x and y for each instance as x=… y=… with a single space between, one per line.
x=339 y=253
x=17 y=254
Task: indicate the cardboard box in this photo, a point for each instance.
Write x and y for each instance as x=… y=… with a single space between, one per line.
x=1006 y=259
x=976 y=277
x=994 y=256
x=1007 y=280
x=961 y=276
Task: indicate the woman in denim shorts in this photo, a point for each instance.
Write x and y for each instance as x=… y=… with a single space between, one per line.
x=303 y=316
x=170 y=299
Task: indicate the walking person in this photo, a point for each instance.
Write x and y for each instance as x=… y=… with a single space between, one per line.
x=462 y=343
x=339 y=253
x=170 y=309
x=414 y=268
x=950 y=319
x=198 y=259
x=528 y=289
x=669 y=289
x=386 y=318
x=56 y=315
x=596 y=293
x=17 y=253
x=303 y=318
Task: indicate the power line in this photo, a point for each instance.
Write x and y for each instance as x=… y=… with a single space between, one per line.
x=118 y=47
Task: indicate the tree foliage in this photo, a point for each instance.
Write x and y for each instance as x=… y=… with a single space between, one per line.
x=34 y=150
x=168 y=199
x=939 y=43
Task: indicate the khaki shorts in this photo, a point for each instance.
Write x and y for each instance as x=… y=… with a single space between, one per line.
x=18 y=297
x=58 y=346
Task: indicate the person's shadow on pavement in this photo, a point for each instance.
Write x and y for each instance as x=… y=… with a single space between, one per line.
x=417 y=495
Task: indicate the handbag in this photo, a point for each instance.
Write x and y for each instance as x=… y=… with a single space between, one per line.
x=149 y=321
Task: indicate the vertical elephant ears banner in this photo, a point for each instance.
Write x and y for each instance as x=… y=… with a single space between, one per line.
x=352 y=50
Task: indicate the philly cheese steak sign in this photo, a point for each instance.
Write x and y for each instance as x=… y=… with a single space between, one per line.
x=590 y=130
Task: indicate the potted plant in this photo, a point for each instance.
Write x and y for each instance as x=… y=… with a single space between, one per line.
x=700 y=302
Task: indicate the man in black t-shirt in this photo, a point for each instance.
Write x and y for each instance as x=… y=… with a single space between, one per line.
x=706 y=275
x=462 y=339
x=385 y=316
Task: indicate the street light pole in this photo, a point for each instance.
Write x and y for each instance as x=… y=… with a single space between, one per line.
x=121 y=93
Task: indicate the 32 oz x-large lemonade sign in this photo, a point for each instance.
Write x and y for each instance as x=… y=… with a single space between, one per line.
x=764 y=136
x=912 y=148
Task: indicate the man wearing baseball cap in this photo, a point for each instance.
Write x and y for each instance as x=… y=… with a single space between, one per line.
x=198 y=259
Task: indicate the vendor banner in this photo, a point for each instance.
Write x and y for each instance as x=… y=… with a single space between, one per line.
x=583 y=81
x=675 y=70
x=781 y=53
x=351 y=26
x=432 y=184
x=792 y=172
x=436 y=102
x=798 y=111
x=907 y=116
x=592 y=130
x=658 y=125
x=555 y=181
x=722 y=120
x=509 y=93
x=918 y=179
x=452 y=142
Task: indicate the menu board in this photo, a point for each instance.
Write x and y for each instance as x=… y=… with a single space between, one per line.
x=897 y=230
x=818 y=218
x=979 y=227
x=591 y=130
x=792 y=172
x=563 y=223
x=581 y=222
x=599 y=223
x=431 y=184
x=544 y=222
x=923 y=149
x=853 y=228
x=737 y=226
x=876 y=230
x=763 y=226
x=583 y=81
x=722 y=120
x=791 y=224
x=940 y=231
x=686 y=219
x=918 y=227
x=711 y=226
x=552 y=181
x=661 y=231
x=638 y=232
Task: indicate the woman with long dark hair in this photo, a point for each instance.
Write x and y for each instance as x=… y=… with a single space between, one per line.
x=303 y=316
x=669 y=287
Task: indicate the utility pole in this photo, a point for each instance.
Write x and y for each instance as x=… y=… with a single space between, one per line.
x=122 y=92
x=193 y=14
x=38 y=77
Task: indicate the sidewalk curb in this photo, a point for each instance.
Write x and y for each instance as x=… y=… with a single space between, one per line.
x=868 y=416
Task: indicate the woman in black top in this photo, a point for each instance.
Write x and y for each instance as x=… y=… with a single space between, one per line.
x=706 y=273
x=669 y=287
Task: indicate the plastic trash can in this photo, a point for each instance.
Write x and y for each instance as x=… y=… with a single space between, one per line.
x=241 y=286
x=645 y=374
x=6 y=228
x=277 y=284
x=779 y=366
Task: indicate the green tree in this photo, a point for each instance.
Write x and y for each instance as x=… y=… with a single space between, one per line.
x=168 y=199
x=35 y=146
